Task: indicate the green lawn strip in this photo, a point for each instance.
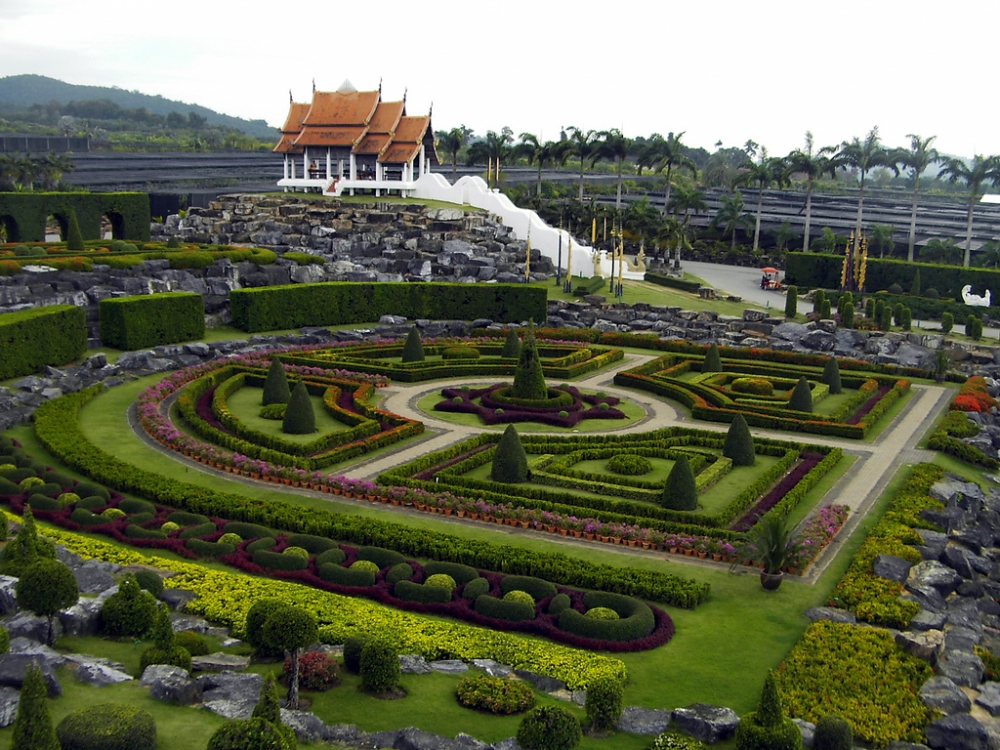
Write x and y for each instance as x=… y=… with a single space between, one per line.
x=632 y=410
x=653 y=294
x=972 y=473
x=245 y=404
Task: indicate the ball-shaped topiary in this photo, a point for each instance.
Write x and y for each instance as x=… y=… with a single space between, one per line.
x=512 y=346
x=111 y=726
x=510 y=462
x=739 y=443
x=604 y=704
x=29 y=483
x=442 y=581
x=45 y=587
x=629 y=464
x=549 y=728
x=68 y=498
x=831 y=376
x=169 y=526
x=712 y=361
x=833 y=733
x=112 y=513
x=768 y=728
x=149 y=581
x=365 y=565
x=680 y=491
x=33 y=728
x=276 y=390
x=413 y=349
x=231 y=538
x=173 y=243
x=295 y=552
x=299 y=416
x=519 y=596
x=801 y=399
x=601 y=613
x=379 y=666
x=129 y=613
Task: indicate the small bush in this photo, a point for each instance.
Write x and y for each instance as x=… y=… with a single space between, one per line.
x=753 y=386
x=947 y=322
x=66 y=499
x=202 y=529
x=510 y=462
x=499 y=609
x=346 y=576
x=417 y=592
x=383 y=558
x=441 y=580
x=460 y=573
x=334 y=555
x=559 y=603
x=111 y=726
x=601 y=613
x=194 y=643
x=274 y=412
x=317 y=671
x=460 y=352
x=248 y=734
x=111 y=514
x=549 y=728
x=675 y=741
x=230 y=538
x=130 y=612
x=519 y=596
x=41 y=502
x=277 y=561
x=149 y=581
x=833 y=733
x=605 y=701
x=92 y=502
x=352 y=653
x=379 y=666
x=180 y=517
x=397 y=573
x=365 y=565
x=475 y=588
x=132 y=530
x=495 y=695
x=296 y=552
x=276 y=390
x=629 y=464
x=259 y=613
x=738 y=446
x=135 y=505
x=209 y=549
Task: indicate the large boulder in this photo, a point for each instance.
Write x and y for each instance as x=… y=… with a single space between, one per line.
x=38 y=651
x=219 y=662
x=13 y=668
x=414 y=664
x=989 y=697
x=492 y=668
x=100 y=672
x=706 y=722
x=307 y=726
x=942 y=694
x=31 y=627
x=963 y=668
x=934 y=574
x=170 y=684
x=957 y=732
x=92 y=577
x=891 y=568
x=231 y=695
x=8 y=596
x=833 y=614
x=635 y=720
x=927 y=620
x=9 y=698
x=924 y=644
x=83 y=618
x=819 y=340
x=449 y=666
x=540 y=681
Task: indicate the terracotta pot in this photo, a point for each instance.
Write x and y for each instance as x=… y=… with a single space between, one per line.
x=688 y=552
x=673 y=550
x=770 y=581
x=394 y=501
x=563 y=532
x=575 y=533
x=702 y=555
x=369 y=497
x=474 y=516
x=255 y=475
x=525 y=524
x=588 y=535
x=631 y=542
x=716 y=556
x=460 y=513
x=448 y=511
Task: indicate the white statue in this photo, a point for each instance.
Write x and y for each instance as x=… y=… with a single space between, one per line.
x=974 y=300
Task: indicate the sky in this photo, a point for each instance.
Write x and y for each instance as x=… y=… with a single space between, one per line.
x=718 y=70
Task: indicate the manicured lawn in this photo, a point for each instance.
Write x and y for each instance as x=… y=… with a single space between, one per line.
x=246 y=405
x=643 y=291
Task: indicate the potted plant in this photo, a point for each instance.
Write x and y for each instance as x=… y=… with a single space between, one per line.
x=771 y=544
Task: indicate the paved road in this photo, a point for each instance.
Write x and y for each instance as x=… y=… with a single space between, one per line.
x=741 y=282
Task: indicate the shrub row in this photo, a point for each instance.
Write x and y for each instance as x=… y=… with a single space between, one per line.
x=58 y=428
x=151 y=320
x=31 y=339
x=673 y=283
x=335 y=303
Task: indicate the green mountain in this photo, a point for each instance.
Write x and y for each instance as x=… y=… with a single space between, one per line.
x=26 y=90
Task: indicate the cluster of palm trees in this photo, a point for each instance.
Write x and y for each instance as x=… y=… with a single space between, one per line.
x=21 y=172
x=759 y=170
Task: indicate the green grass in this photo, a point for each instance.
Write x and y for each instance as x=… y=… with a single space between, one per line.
x=245 y=405
x=644 y=291
x=632 y=410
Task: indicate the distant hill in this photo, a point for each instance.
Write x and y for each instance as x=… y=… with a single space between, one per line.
x=25 y=90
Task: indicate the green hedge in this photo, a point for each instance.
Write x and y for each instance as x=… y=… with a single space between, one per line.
x=26 y=214
x=538 y=588
x=210 y=549
x=335 y=303
x=593 y=285
x=311 y=543
x=417 y=592
x=151 y=320
x=821 y=270
x=460 y=573
x=277 y=561
x=500 y=609
x=636 y=618
x=673 y=283
x=346 y=576
x=31 y=339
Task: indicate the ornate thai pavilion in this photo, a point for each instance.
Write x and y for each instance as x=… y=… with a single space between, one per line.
x=348 y=140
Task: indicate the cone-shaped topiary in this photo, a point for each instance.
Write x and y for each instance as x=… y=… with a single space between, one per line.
x=768 y=728
x=712 y=361
x=131 y=612
x=173 y=243
x=25 y=549
x=604 y=703
x=739 y=443
x=512 y=346
x=165 y=649
x=276 y=390
x=45 y=587
x=680 y=491
x=833 y=732
x=831 y=375
x=847 y=314
x=413 y=349
x=529 y=380
x=819 y=299
x=299 y=416
x=549 y=728
x=791 y=301
x=915 y=287
x=268 y=708
x=802 y=399
x=510 y=463
x=247 y=734
x=74 y=238
x=33 y=728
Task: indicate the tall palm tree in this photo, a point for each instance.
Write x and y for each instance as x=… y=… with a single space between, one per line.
x=642 y=218
x=52 y=168
x=672 y=155
x=687 y=198
x=648 y=154
x=733 y=215
x=451 y=143
x=990 y=256
x=880 y=236
x=763 y=172
x=544 y=154
x=813 y=166
x=583 y=144
x=920 y=156
x=984 y=169
x=25 y=172
x=865 y=155
x=615 y=147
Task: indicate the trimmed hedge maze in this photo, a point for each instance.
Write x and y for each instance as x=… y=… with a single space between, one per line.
x=761 y=391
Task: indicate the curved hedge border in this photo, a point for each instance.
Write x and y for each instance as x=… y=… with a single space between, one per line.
x=58 y=428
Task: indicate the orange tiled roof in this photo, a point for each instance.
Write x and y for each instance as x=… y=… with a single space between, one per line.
x=342 y=136
x=286 y=144
x=386 y=117
x=400 y=152
x=411 y=129
x=373 y=143
x=297 y=112
x=341 y=108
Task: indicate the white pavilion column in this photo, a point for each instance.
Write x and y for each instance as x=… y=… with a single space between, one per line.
x=354 y=168
x=328 y=174
x=291 y=168
x=305 y=163
x=421 y=159
x=284 y=167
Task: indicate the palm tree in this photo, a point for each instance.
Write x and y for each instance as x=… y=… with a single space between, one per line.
x=671 y=235
x=451 y=143
x=865 y=156
x=550 y=152
x=783 y=235
x=733 y=214
x=687 y=198
x=813 y=166
x=880 y=236
x=614 y=146
x=52 y=168
x=990 y=257
x=642 y=218
x=920 y=156
x=940 y=250
x=24 y=172
x=582 y=145
x=984 y=169
x=672 y=155
x=648 y=154
x=763 y=172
